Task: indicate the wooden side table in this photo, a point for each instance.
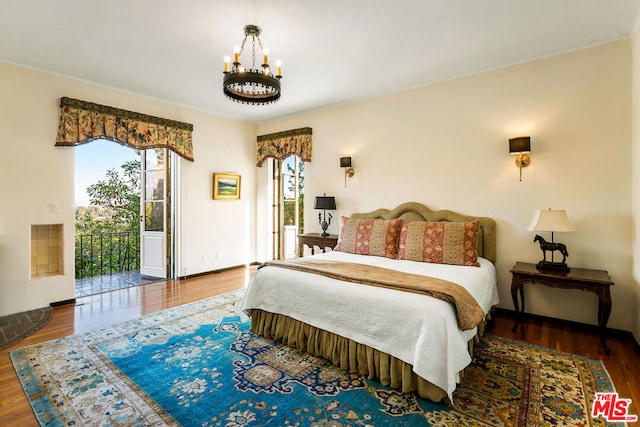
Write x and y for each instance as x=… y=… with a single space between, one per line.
x=316 y=239
x=596 y=281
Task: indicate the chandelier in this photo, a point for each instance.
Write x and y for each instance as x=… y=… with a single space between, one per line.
x=251 y=85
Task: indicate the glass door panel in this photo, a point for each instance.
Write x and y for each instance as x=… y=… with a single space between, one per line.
x=153 y=236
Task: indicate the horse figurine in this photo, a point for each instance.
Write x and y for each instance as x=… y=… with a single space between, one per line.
x=550 y=246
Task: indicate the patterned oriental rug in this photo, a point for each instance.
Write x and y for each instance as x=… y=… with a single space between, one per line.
x=197 y=365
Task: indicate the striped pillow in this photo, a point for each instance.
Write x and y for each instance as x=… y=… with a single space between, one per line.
x=439 y=242
x=369 y=236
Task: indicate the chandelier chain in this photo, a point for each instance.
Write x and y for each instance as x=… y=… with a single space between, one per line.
x=242 y=45
x=254 y=50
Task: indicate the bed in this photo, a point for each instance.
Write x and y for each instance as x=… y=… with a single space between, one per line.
x=411 y=340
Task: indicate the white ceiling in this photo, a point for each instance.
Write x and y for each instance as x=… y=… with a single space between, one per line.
x=332 y=51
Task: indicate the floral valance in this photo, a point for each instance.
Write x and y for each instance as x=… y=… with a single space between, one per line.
x=82 y=122
x=281 y=145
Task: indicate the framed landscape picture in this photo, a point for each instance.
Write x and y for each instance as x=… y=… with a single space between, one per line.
x=226 y=186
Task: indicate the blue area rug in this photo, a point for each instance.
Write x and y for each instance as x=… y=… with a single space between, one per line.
x=197 y=365
x=226 y=375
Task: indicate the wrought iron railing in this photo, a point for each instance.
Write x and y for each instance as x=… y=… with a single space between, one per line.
x=99 y=254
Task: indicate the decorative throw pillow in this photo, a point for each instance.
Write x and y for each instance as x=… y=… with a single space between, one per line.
x=369 y=236
x=439 y=242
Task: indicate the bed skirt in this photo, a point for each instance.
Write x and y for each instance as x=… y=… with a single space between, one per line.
x=346 y=354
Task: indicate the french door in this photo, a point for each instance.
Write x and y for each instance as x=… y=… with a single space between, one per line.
x=153 y=213
x=288 y=212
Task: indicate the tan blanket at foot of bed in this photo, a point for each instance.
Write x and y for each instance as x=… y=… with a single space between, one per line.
x=468 y=312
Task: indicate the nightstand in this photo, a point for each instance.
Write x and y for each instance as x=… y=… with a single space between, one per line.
x=316 y=239
x=596 y=281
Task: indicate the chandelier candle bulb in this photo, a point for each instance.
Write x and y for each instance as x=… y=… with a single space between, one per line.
x=278 y=68
x=227 y=60
x=265 y=56
x=236 y=54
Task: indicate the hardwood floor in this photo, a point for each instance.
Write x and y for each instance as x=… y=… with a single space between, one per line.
x=109 y=308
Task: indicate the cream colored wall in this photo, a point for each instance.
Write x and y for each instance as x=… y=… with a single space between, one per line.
x=35 y=174
x=216 y=234
x=445 y=145
x=635 y=81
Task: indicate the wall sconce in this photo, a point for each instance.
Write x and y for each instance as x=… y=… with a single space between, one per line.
x=520 y=146
x=345 y=162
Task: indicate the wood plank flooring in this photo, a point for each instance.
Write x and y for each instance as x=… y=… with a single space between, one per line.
x=623 y=364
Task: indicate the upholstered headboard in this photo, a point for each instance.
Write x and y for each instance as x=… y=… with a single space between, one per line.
x=412 y=211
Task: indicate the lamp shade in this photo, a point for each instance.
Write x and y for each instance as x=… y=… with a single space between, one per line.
x=551 y=220
x=345 y=162
x=325 y=202
x=521 y=144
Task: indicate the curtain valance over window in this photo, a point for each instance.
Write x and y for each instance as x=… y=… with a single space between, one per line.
x=82 y=122
x=281 y=145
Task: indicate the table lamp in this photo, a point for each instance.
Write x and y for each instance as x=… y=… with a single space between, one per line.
x=326 y=203
x=552 y=220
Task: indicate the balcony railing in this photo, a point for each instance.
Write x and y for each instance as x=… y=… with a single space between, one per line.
x=107 y=253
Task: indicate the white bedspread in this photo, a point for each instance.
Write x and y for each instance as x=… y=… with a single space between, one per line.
x=417 y=329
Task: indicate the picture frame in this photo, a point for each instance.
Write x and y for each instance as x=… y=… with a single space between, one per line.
x=226 y=186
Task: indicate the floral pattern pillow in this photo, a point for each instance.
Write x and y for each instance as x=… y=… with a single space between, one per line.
x=369 y=236
x=439 y=242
